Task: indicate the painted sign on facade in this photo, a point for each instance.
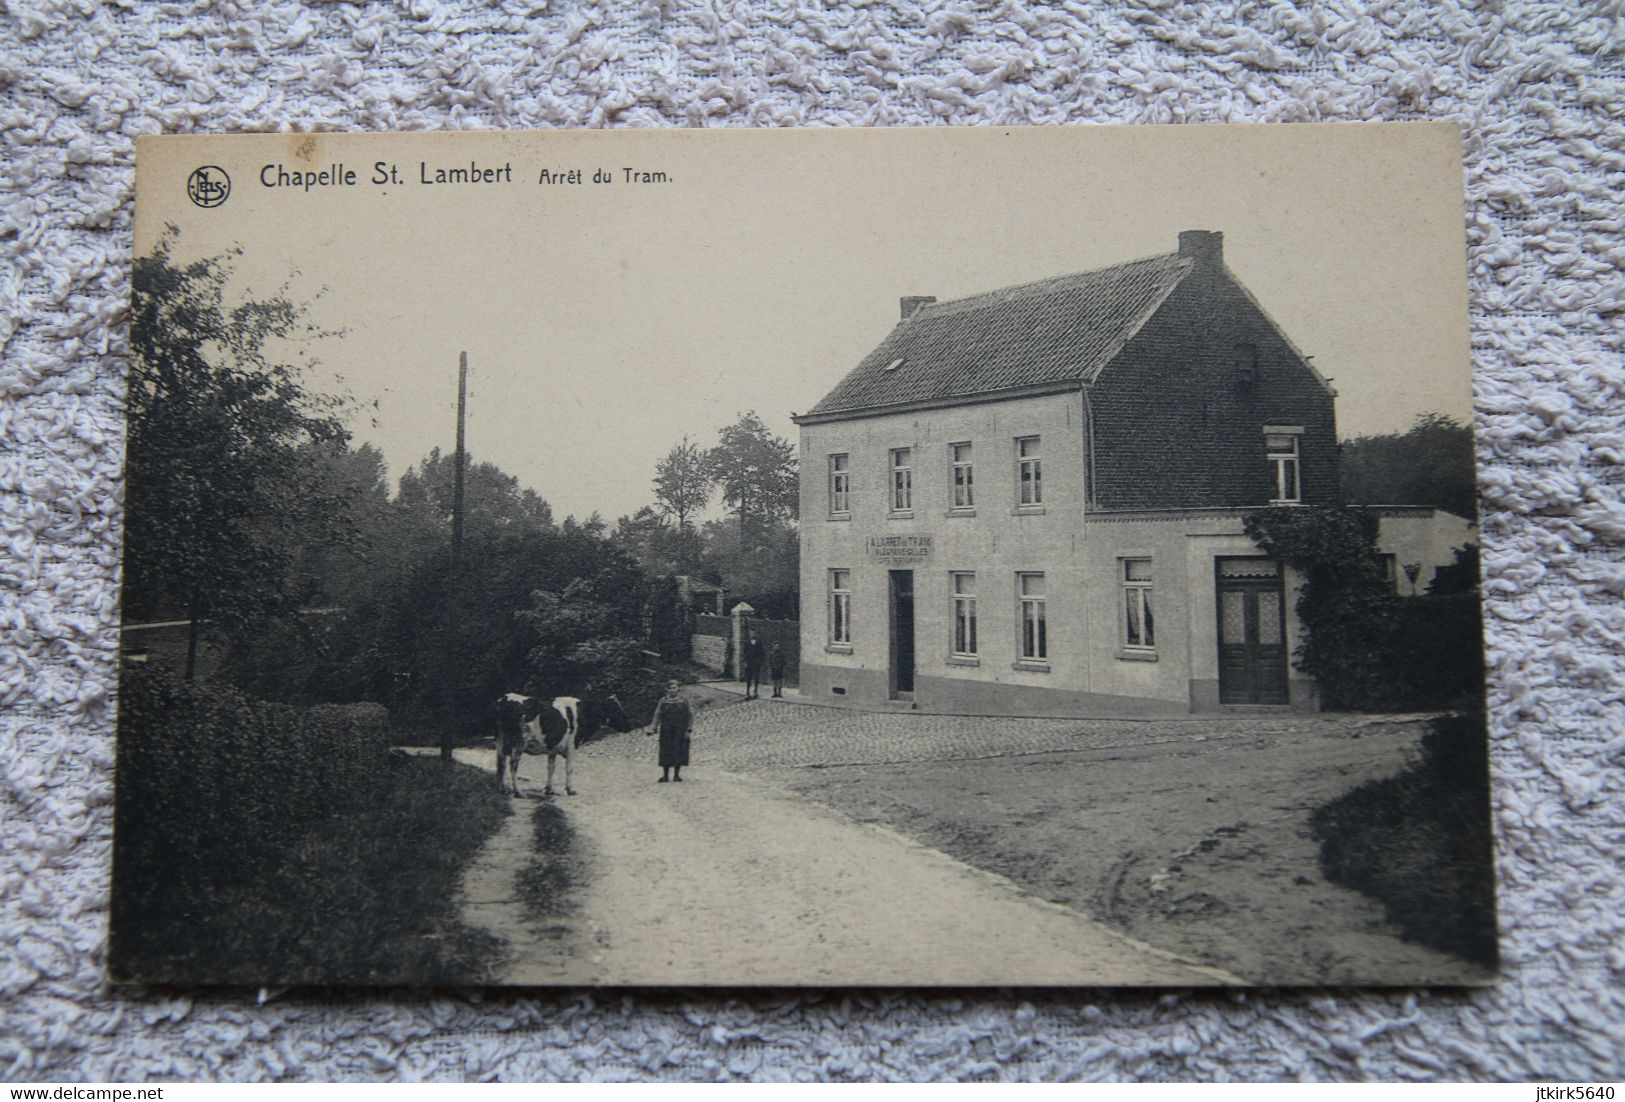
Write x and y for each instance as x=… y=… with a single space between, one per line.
x=899 y=548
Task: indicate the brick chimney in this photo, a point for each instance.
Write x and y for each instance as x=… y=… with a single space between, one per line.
x=1203 y=246
x=911 y=304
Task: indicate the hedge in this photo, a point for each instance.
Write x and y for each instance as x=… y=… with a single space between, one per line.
x=211 y=784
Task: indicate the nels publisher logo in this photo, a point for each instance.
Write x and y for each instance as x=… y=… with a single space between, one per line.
x=208 y=186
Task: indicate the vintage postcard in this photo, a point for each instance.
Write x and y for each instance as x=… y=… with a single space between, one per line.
x=936 y=557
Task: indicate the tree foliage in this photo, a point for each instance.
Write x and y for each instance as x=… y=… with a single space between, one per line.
x=1460 y=575
x=1367 y=648
x=683 y=483
x=247 y=506
x=764 y=571
x=493 y=502
x=356 y=480
x=1429 y=464
x=222 y=494
x=756 y=558
x=757 y=473
x=659 y=546
x=532 y=606
x=671 y=626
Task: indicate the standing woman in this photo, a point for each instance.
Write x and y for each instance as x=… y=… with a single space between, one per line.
x=672 y=721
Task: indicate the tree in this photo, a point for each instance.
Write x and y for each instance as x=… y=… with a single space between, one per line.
x=1431 y=463
x=1345 y=601
x=491 y=499
x=649 y=538
x=765 y=572
x=356 y=479
x=757 y=472
x=1366 y=647
x=683 y=484
x=285 y=658
x=220 y=495
x=671 y=626
x=1460 y=575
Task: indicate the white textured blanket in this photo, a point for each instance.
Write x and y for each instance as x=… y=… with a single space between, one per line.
x=1536 y=88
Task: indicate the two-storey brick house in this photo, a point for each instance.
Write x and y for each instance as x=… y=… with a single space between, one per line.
x=1030 y=501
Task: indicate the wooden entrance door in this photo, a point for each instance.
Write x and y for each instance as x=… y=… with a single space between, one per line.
x=1252 y=632
x=902 y=632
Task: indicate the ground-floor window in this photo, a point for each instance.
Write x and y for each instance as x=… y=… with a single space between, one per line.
x=840 y=607
x=1139 y=625
x=1034 y=633
x=964 y=615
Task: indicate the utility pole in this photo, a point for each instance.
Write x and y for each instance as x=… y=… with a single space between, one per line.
x=446 y=737
x=457 y=486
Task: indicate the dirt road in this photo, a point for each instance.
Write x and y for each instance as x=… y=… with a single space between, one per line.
x=725 y=880
x=1200 y=848
x=837 y=846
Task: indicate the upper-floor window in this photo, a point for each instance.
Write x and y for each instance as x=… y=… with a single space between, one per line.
x=840 y=484
x=1139 y=627
x=1034 y=628
x=902 y=479
x=840 y=607
x=1029 y=472
x=964 y=475
x=1282 y=455
x=964 y=615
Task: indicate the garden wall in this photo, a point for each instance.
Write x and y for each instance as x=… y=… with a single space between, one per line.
x=713 y=644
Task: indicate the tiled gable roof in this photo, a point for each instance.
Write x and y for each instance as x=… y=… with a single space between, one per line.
x=1052 y=331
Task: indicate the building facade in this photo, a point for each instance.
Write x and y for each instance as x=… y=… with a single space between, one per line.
x=1030 y=501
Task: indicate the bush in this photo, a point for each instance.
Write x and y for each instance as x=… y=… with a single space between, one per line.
x=782 y=604
x=1367 y=648
x=623 y=669
x=671 y=628
x=261 y=843
x=234 y=780
x=1420 y=842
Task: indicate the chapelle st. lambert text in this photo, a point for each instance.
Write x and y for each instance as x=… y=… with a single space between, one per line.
x=387 y=174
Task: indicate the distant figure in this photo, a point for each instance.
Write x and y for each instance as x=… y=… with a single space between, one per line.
x=672 y=721
x=753 y=667
x=775 y=666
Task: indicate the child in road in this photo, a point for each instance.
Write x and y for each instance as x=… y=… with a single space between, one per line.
x=775 y=666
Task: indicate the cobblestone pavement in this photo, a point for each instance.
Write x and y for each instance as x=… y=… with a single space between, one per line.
x=764 y=733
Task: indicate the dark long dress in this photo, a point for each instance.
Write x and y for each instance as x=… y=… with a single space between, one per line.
x=673 y=718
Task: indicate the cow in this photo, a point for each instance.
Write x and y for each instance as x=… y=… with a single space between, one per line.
x=569 y=721
x=517 y=719
x=559 y=725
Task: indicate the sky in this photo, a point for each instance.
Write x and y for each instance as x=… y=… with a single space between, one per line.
x=604 y=321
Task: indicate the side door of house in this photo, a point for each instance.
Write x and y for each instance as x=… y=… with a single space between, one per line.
x=1252 y=631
